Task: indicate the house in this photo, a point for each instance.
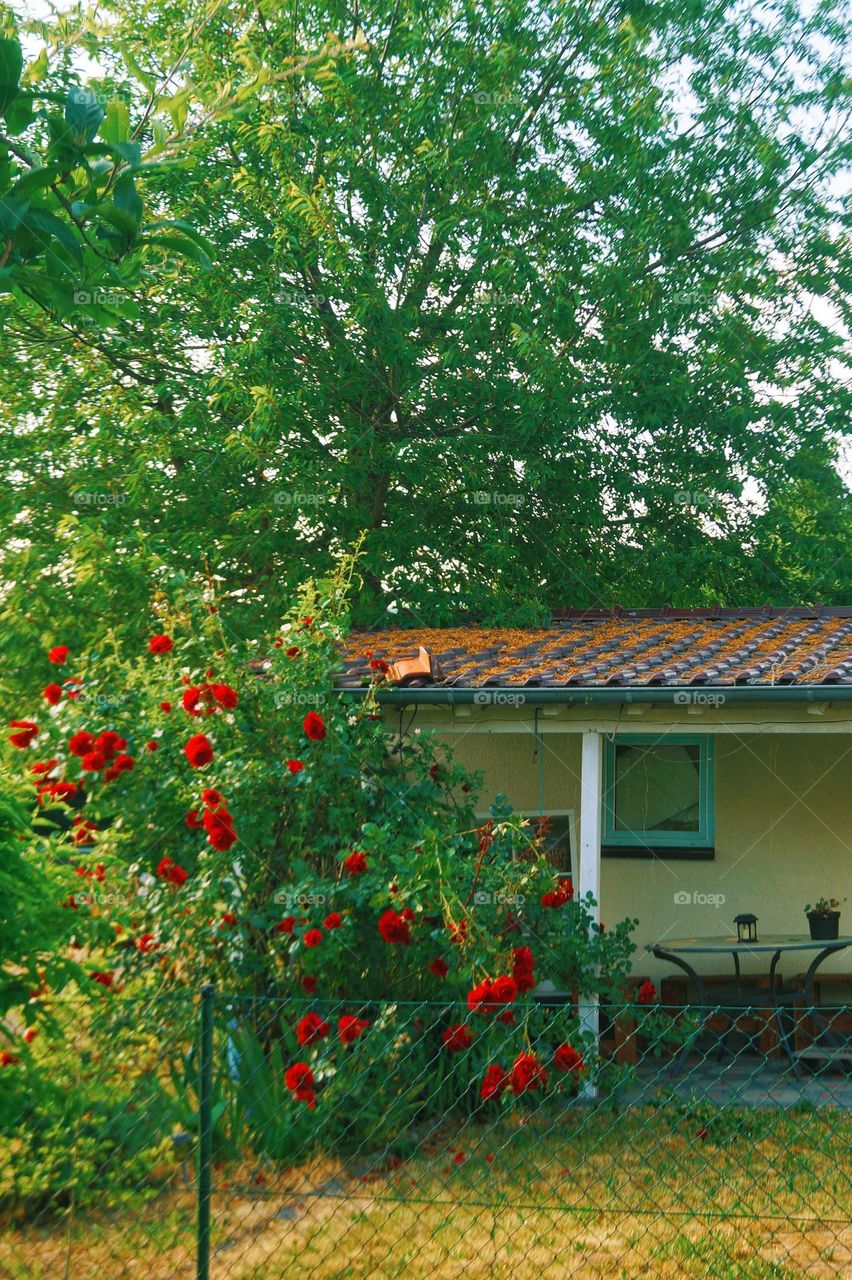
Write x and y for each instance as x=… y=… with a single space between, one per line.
x=695 y=763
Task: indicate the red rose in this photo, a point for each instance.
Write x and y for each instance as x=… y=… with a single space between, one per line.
x=58 y=655
x=299 y=1079
x=312 y=1028
x=295 y=766
x=228 y=920
x=309 y=984
x=109 y=742
x=647 y=993
x=285 y=925
x=193 y=820
x=152 y=745
x=333 y=921
x=567 y=1059
x=80 y=744
x=527 y=1073
x=160 y=644
x=52 y=693
x=439 y=967
x=523 y=964
x=189 y=700
x=350 y=1028
x=503 y=990
x=457 y=1038
x=355 y=864
x=198 y=751
x=479 y=997
x=313 y=937
x=93 y=761
x=212 y=797
x=393 y=928
x=145 y=943
x=59 y=790
x=28 y=731
x=103 y=979
x=564 y=892
x=171 y=872
x=293 y=651
x=124 y=763
x=225 y=696
x=29 y=1035
x=8 y=1059
x=494 y=1083
x=220 y=828
x=165 y=706
x=314 y=726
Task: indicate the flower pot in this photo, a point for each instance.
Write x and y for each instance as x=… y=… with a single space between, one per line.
x=824 y=928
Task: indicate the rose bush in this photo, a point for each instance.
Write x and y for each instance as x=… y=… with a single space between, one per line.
x=231 y=817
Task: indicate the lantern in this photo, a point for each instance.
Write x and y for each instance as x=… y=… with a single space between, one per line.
x=746 y=927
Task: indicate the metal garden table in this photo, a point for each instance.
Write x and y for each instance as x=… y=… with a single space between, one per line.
x=678 y=951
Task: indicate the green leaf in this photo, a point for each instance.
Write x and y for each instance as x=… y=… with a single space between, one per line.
x=127 y=199
x=20 y=114
x=182 y=246
x=37 y=69
x=33 y=181
x=115 y=126
x=83 y=114
x=11 y=66
x=11 y=213
x=42 y=224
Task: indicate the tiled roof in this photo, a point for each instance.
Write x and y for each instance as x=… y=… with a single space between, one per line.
x=635 y=648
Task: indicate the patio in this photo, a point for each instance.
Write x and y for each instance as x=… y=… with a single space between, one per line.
x=745 y=1081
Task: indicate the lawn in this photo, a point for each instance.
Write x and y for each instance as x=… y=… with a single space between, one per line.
x=615 y=1194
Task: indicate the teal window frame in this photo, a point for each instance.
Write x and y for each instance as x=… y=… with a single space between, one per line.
x=703 y=838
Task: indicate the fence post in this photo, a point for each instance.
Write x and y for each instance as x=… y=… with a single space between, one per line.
x=205 y=1131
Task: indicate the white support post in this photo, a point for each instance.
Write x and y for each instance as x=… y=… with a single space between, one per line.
x=590 y=862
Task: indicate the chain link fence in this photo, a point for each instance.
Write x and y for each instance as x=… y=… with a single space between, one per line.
x=229 y=1138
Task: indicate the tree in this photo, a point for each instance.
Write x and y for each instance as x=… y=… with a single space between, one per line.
x=525 y=293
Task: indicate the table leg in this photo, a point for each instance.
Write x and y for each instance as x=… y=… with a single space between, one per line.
x=783 y=1034
x=810 y=1002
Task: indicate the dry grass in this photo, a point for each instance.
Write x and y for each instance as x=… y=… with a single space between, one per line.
x=632 y=1195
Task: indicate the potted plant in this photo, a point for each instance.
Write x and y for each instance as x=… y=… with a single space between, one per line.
x=824 y=918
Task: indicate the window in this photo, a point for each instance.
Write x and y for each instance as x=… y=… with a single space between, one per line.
x=558 y=828
x=658 y=796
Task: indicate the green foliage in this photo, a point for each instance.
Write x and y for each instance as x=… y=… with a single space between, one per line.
x=71 y=219
x=34 y=929
x=552 y=316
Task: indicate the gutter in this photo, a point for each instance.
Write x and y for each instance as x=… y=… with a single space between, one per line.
x=679 y=695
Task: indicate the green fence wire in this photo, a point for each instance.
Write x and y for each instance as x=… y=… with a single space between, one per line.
x=232 y=1138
